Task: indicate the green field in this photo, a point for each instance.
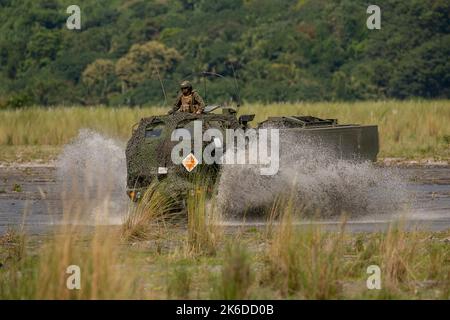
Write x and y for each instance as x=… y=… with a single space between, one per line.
x=408 y=129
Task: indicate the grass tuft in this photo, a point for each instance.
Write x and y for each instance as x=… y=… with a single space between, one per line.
x=236 y=277
x=179 y=283
x=203 y=225
x=149 y=217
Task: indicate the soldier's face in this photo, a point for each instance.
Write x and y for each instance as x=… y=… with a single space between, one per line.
x=185 y=91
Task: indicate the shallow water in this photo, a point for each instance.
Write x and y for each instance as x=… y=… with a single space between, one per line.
x=40 y=203
x=86 y=186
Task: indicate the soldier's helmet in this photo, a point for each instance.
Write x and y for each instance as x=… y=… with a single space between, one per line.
x=186 y=85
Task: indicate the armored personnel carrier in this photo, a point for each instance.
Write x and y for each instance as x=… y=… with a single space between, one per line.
x=149 y=151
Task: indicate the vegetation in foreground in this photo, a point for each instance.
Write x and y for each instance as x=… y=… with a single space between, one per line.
x=305 y=264
x=411 y=130
x=203 y=260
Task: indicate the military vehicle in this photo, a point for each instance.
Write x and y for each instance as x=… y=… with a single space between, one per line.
x=148 y=153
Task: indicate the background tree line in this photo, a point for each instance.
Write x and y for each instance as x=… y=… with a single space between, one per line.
x=284 y=50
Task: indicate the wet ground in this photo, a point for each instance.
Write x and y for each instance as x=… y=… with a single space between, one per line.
x=31 y=196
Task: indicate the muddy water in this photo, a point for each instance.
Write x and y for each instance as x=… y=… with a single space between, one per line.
x=36 y=198
x=33 y=196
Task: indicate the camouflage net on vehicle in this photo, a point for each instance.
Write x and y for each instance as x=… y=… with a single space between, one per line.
x=142 y=163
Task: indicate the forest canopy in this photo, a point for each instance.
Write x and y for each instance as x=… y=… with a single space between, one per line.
x=268 y=51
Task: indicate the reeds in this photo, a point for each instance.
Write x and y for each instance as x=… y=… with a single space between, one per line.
x=295 y=261
x=410 y=129
x=148 y=218
x=203 y=221
x=306 y=261
x=43 y=274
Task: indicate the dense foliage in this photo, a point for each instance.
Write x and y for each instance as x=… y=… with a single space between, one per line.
x=284 y=50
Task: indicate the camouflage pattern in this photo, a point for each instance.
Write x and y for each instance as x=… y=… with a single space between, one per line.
x=186 y=84
x=145 y=153
x=192 y=103
x=150 y=146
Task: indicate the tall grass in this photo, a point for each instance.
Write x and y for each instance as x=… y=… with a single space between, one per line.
x=57 y=126
x=43 y=274
x=236 y=277
x=398 y=256
x=149 y=217
x=408 y=260
x=103 y=275
x=204 y=231
x=306 y=263
x=407 y=128
x=179 y=283
x=294 y=262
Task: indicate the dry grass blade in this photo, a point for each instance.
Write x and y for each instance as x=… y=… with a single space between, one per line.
x=305 y=262
x=204 y=231
x=148 y=218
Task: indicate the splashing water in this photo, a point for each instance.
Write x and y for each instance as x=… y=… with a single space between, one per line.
x=92 y=175
x=91 y=172
x=317 y=182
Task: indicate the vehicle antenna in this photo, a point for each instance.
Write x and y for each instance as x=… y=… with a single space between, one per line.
x=162 y=86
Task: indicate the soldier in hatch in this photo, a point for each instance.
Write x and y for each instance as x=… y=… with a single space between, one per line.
x=188 y=100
